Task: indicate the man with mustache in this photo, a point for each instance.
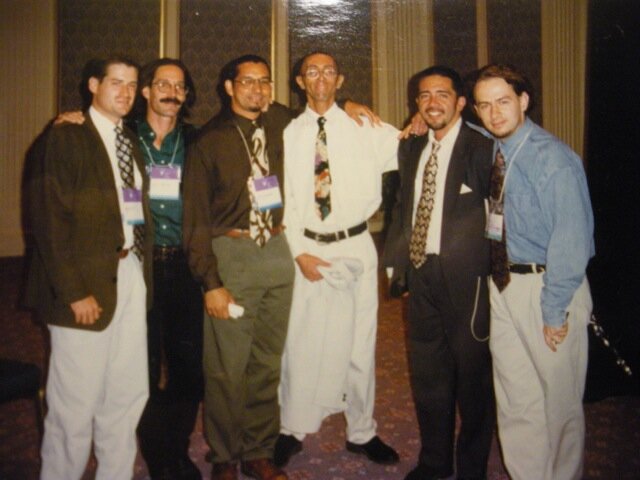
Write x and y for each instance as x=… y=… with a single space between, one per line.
x=174 y=323
x=437 y=251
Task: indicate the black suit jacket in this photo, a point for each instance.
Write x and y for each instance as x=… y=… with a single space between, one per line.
x=77 y=225
x=464 y=252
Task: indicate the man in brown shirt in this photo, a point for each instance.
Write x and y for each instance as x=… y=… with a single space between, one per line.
x=238 y=251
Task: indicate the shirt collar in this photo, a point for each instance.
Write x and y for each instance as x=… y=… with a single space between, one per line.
x=103 y=124
x=328 y=114
x=449 y=139
x=246 y=125
x=146 y=133
x=509 y=144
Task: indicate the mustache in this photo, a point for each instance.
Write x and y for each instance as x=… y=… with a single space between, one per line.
x=171 y=100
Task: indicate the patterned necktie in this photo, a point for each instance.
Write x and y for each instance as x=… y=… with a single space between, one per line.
x=125 y=165
x=260 y=222
x=322 y=174
x=418 y=244
x=499 y=258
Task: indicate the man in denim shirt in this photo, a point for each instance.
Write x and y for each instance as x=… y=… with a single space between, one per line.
x=540 y=300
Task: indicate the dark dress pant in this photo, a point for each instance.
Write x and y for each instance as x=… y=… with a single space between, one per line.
x=450 y=366
x=174 y=333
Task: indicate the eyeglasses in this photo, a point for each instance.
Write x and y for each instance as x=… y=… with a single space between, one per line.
x=165 y=86
x=314 y=73
x=248 y=82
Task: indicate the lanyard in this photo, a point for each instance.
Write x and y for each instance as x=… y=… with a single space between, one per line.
x=246 y=146
x=173 y=157
x=512 y=161
x=244 y=141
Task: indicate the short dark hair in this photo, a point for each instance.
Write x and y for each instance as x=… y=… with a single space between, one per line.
x=230 y=72
x=97 y=68
x=231 y=69
x=442 y=71
x=300 y=63
x=518 y=81
x=148 y=73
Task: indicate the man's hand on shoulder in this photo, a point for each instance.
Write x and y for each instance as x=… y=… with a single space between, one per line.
x=309 y=266
x=416 y=127
x=76 y=117
x=217 y=302
x=86 y=310
x=357 y=110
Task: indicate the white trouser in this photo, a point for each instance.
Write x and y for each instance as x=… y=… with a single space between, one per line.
x=538 y=392
x=97 y=388
x=317 y=354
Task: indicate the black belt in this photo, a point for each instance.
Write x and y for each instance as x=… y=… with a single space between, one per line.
x=166 y=254
x=526 y=268
x=336 y=236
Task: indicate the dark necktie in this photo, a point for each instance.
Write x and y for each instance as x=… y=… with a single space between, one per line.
x=125 y=165
x=499 y=258
x=418 y=244
x=322 y=174
x=260 y=222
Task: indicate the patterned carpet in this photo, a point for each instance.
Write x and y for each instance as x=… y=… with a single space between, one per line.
x=613 y=424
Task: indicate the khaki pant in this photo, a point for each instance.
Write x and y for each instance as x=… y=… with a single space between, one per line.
x=538 y=392
x=97 y=387
x=242 y=356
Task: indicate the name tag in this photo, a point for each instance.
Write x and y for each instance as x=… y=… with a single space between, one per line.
x=264 y=192
x=165 y=182
x=495 y=220
x=133 y=206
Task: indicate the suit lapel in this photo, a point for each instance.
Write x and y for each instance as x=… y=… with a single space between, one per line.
x=455 y=175
x=102 y=165
x=411 y=171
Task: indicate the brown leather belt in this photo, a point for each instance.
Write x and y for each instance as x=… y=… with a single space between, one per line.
x=239 y=233
x=123 y=252
x=166 y=254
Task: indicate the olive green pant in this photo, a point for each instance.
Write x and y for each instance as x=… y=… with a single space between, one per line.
x=242 y=356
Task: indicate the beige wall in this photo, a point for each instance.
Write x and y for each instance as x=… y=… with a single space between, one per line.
x=27 y=102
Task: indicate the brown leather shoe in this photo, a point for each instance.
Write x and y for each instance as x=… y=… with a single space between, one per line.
x=262 y=469
x=224 y=471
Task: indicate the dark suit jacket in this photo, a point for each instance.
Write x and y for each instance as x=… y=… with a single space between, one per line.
x=464 y=252
x=77 y=226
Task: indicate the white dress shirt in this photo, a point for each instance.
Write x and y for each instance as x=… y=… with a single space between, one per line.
x=434 y=234
x=106 y=129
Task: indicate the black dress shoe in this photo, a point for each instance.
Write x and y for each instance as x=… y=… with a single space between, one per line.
x=421 y=472
x=187 y=470
x=163 y=474
x=286 y=447
x=376 y=450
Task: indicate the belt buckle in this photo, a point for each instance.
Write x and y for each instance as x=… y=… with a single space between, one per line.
x=323 y=238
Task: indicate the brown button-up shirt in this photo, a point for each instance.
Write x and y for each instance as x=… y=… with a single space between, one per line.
x=216 y=198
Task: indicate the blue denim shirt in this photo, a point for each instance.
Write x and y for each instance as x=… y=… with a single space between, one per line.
x=548 y=214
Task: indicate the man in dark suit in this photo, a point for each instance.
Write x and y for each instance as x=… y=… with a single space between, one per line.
x=93 y=235
x=438 y=252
